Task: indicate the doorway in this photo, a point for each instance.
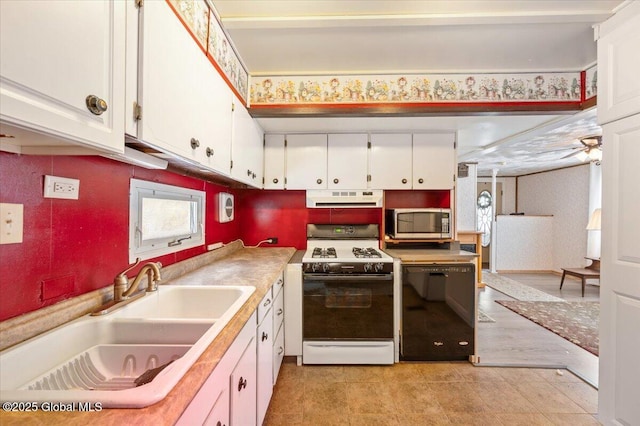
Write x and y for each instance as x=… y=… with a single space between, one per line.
x=487 y=206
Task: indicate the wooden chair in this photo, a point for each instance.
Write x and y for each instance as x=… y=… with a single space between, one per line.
x=591 y=271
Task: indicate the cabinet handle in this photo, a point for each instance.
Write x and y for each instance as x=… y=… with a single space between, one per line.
x=194 y=143
x=242 y=384
x=279 y=312
x=275 y=180
x=209 y=152
x=96 y=105
x=336 y=180
x=266 y=303
x=420 y=180
x=253 y=175
x=280 y=350
x=265 y=336
x=404 y=181
x=248 y=172
x=280 y=282
x=319 y=181
x=220 y=423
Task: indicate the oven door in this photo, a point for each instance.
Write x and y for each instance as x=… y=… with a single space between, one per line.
x=347 y=307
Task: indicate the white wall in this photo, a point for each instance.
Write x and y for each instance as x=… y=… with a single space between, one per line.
x=565 y=195
x=466 y=187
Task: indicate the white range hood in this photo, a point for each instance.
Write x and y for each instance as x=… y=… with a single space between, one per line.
x=328 y=198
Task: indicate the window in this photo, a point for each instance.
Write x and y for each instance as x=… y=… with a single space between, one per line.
x=485 y=216
x=163 y=219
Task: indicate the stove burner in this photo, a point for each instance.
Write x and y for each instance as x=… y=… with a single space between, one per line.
x=326 y=252
x=365 y=252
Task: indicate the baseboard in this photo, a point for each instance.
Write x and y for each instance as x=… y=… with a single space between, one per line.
x=524 y=271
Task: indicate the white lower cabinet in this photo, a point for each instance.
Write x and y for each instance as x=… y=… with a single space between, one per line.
x=244 y=388
x=265 y=361
x=238 y=391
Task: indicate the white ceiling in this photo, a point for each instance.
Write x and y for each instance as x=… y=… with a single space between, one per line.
x=362 y=36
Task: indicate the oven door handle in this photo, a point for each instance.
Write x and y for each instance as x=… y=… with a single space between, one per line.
x=347 y=277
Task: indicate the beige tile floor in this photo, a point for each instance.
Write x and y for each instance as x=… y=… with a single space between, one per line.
x=430 y=394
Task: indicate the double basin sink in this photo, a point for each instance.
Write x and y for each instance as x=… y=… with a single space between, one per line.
x=131 y=357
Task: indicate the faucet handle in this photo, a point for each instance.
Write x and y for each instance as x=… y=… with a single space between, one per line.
x=130 y=267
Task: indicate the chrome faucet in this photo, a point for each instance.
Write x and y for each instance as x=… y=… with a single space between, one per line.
x=122 y=292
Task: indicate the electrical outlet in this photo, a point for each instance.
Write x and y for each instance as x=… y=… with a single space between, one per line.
x=61 y=187
x=273 y=240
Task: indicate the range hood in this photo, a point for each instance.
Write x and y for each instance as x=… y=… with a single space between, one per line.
x=344 y=198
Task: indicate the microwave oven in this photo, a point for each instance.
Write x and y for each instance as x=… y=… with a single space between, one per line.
x=418 y=223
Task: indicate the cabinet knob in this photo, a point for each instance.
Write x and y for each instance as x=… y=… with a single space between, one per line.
x=194 y=143
x=336 y=180
x=242 y=384
x=209 y=152
x=275 y=180
x=280 y=350
x=266 y=303
x=420 y=180
x=265 y=336
x=404 y=181
x=319 y=181
x=96 y=105
x=279 y=312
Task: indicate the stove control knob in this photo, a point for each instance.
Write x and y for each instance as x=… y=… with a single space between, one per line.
x=316 y=267
x=379 y=266
x=325 y=267
x=368 y=267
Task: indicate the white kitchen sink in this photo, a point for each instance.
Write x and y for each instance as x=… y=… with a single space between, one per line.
x=97 y=359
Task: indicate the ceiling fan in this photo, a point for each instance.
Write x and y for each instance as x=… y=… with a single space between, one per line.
x=591 y=149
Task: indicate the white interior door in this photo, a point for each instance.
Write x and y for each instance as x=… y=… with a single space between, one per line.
x=620 y=276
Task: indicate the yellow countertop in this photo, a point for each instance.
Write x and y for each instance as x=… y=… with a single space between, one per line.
x=258 y=267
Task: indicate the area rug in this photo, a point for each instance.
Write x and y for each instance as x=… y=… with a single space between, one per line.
x=575 y=321
x=517 y=290
x=483 y=317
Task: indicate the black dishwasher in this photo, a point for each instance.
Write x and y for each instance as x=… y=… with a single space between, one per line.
x=438 y=312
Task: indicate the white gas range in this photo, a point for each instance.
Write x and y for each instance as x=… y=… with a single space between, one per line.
x=350 y=293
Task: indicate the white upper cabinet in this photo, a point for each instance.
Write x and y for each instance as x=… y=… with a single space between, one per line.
x=274 y=161
x=186 y=105
x=306 y=160
x=619 y=66
x=390 y=161
x=247 y=151
x=434 y=160
x=58 y=62
x=347 y=161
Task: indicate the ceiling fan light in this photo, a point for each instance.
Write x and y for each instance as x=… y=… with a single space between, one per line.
x=582 y=155
x=595 y=154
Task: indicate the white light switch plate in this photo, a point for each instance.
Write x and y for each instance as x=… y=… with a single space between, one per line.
x=61 y=187
x=11 y=223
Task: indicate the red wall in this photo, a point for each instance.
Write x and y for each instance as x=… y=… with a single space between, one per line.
x=71 y=247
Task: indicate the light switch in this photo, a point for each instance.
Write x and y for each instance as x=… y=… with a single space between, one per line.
x=11 y=223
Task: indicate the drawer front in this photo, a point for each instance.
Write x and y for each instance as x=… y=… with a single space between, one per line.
x=278 y=284
x=265 y=304
x=278 y=312
x=278 y=353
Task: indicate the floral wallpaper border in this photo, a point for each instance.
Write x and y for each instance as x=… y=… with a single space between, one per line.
x=417 y=88
x=204 y=25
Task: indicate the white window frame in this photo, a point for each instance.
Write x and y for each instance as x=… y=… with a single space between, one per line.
x=141 y=189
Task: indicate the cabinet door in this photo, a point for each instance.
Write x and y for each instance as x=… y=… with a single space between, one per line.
x=347 y=161
x=434 y=161
x=186 y=106
x=278 y=353
x=219 y=414
x=265 y=340
x=306 y=161
x=246 y=148
x=274 y=161
x=53 y=56
x=243 y=388
x=390 y=161
x=618 y=65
